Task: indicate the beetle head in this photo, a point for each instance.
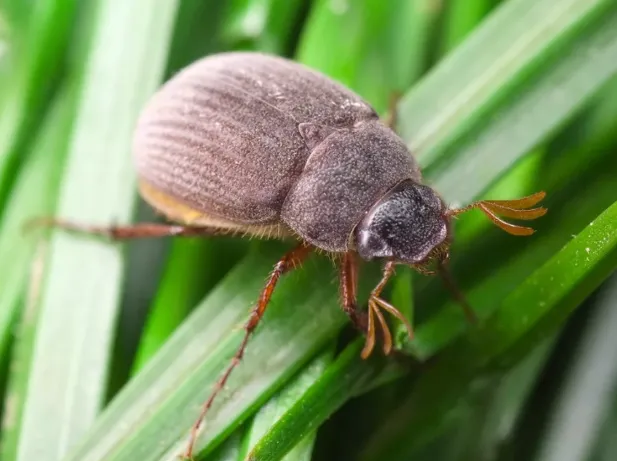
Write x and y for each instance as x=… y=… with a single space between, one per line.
x=409 y=225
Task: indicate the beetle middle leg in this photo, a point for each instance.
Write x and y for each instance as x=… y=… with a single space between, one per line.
x=287 y=263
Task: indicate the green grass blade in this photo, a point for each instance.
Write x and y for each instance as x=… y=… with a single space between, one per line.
x=263 y=25
x=349 y=375
x=80 y=300
x=34 y=195
x=587 y=392
x=38 y=61
x=461 y=18
x=279 y=405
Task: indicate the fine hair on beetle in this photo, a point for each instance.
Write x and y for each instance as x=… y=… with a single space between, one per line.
x=244 y=142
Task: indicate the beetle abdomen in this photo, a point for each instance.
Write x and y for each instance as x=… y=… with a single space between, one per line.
x=222 y=136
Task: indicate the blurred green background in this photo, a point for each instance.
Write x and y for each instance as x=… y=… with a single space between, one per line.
x=109 y=349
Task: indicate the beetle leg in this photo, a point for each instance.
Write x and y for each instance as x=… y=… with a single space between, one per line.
x=287 y=263
x=367 y=322
x=450 y=284
x=391 y=117
x=381 y=303
x=135 y=231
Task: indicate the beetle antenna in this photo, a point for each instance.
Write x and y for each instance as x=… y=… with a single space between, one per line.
x=448 y=281
x=517 y=208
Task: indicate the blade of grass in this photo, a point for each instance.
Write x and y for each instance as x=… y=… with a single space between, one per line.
x=38 y=63
x=34 y=195
x=79 y=304
x=276 y=407
x=461 y=18
x=14 y=398
x=349 y=375
x=586 y=395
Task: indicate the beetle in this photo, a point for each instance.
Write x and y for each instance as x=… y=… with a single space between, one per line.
x=254 y=144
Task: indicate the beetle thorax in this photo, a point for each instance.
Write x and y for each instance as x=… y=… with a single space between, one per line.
x=344 y=176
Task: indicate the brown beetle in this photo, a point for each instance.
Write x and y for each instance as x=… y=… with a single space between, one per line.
x=256 y=144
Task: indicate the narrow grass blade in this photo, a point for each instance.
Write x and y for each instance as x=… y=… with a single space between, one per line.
x=461 y=18
x=586 y=395
x=264 y=25
x=280 y=404
x=37 y=63
x=25 y=330
x=80 y=300
x=349 y=375
x=34 y=195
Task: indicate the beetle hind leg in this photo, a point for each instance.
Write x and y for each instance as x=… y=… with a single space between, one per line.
x=287 y=263
x=128 y=232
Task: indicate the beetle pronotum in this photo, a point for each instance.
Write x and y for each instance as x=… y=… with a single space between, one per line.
x=256 y=144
